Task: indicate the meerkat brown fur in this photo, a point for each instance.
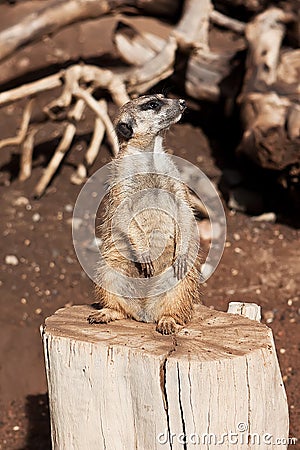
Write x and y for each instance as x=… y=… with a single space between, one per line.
x=150 y=265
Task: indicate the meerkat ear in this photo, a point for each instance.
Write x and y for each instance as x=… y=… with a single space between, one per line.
x=124 y=129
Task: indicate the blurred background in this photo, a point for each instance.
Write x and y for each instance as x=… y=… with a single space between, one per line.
x=237 y=64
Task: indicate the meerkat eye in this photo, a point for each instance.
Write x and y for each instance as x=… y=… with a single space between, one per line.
x=152 y=104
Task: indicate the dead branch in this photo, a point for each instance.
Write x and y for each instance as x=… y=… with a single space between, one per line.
x=19 y=139
x=26 y=155
x=227 y=22
x=192 y=29
x=154 y=70
x=99 y=130
x=61 y=150
x=287 y=82
x=135 y=80
x=30 y=89
x=60 y=13
x=205 y=69
x=270 y=98
x=134 y=47
x=49 y=19
x=293 y=122
x=264 y=35
x=153 y=59
x=103 y=116
x=205 y=72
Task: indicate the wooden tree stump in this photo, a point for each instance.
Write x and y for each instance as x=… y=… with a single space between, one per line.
x=216 y=384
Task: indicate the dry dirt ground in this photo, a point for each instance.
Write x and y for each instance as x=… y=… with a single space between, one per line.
x=260 y=263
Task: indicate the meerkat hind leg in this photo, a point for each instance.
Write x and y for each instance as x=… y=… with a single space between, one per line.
x=106 y=315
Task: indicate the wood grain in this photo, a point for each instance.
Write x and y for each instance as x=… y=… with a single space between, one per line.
x=124 y=386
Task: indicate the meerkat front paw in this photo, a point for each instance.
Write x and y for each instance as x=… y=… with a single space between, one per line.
x=105 y=315
x=146 y=264
x=167 y=325
x=180 y=267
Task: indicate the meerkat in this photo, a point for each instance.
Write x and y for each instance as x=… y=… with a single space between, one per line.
x=150 y=259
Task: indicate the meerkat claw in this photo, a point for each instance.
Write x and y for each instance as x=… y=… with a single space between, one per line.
x=105 y=315
x=180 y=267
x=147 y=265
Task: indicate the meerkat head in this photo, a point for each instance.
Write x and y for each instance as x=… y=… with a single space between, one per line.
x=144 y=118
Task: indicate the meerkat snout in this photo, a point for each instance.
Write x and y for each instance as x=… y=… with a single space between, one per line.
x=182 y=103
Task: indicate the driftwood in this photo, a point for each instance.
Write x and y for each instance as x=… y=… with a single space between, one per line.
x=152 y=58
x=70 y=78
x=216 y=383
x=269 y=100
x=205 y=70
x=270 y=108
x=60 y=13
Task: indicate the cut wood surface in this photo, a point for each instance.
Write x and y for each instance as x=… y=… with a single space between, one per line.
x=124 y=386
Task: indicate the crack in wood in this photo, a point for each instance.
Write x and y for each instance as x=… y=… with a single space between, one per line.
x=181 y=409
x=249 y=401
x=163 y=382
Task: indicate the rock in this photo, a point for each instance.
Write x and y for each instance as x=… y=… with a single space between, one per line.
x=268 y=316
x=265 y=217
x=36 y=217
x=69 y=208
x=21 y=201
x=12 y=260
x=244 y=200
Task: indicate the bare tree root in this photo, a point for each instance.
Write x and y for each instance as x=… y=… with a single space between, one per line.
x=19 y=139
x=103 y=116
x=51 y=18
x=58 y=14
x=99 y=130
x=26 y=155
x=269 y=100
x=61 y=150
x=80 y=81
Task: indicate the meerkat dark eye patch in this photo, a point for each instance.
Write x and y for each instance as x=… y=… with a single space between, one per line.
x=155 y=105
x=124 y=129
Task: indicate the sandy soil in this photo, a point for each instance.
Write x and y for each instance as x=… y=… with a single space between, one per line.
x=260 y=262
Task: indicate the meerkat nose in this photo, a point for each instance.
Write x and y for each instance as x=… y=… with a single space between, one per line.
x=182 y=103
